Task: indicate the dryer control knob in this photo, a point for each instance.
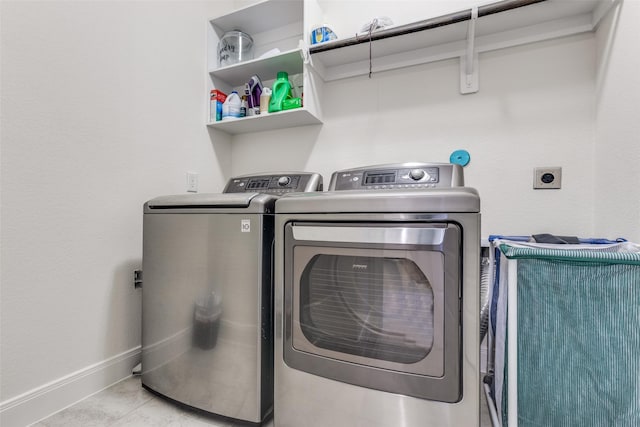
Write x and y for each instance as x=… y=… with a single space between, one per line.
x=283 y=180
x=416 y=174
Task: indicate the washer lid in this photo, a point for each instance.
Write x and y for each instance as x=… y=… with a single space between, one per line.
x=247 y=201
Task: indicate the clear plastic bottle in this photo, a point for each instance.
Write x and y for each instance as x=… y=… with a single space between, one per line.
x=281 y=91
x=243 y=106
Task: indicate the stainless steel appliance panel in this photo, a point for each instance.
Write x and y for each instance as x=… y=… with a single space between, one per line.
x=206 y=335
x=398 y=176
x=373 y=295
x=278 y=184
x=444 y=200
x=313 y=400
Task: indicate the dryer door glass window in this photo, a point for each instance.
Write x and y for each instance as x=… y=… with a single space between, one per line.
x=372 y=307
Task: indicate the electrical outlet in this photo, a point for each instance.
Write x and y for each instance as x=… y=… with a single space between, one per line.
x=547 y=178
x=192 y=182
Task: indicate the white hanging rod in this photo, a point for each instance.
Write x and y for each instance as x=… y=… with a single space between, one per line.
x=427 y=24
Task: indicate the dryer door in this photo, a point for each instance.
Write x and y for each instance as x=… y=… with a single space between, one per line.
x=375 y=305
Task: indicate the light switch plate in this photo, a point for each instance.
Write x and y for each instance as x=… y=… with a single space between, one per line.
x=549 y=177
x=192 y=182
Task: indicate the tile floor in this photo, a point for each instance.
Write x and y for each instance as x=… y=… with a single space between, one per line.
x=128 y=404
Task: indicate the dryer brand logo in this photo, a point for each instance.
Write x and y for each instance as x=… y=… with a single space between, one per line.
x=359 y=267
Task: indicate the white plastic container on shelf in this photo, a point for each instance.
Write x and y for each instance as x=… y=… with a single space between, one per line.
x=231 y=107
x=265 y=97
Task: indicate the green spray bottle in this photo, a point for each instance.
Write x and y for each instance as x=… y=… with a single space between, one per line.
x=281 y=91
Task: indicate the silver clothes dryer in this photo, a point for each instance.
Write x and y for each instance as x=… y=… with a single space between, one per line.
x=207 y=295
x=376 y=301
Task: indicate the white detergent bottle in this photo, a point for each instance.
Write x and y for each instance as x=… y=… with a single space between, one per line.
x=231 y=107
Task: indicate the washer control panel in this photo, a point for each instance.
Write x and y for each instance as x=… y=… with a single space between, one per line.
x=277 y=183
x=401 y=176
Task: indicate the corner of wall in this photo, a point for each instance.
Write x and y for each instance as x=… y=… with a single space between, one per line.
x=63 y=392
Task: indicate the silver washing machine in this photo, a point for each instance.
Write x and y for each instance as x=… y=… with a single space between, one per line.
x=377 y=301
x=207 y=295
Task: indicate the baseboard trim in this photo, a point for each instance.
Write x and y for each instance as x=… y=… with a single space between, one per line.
x=40 y=402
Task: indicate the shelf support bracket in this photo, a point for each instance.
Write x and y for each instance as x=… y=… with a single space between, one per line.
x=469 y=61
x=304 y=52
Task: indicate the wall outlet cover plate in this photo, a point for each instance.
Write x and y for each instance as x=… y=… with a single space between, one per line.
x=549 y=177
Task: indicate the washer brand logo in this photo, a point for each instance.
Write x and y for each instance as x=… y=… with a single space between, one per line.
x=359 y=267
x=245 y=225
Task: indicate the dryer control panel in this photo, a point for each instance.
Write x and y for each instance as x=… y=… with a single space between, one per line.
x=400 y=176
x=276 y=183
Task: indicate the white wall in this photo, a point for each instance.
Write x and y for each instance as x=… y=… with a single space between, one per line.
x=535 y=107
x=103 y=106
x=617 y=153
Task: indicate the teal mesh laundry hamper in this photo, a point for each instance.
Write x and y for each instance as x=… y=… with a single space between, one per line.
x=578 y=336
